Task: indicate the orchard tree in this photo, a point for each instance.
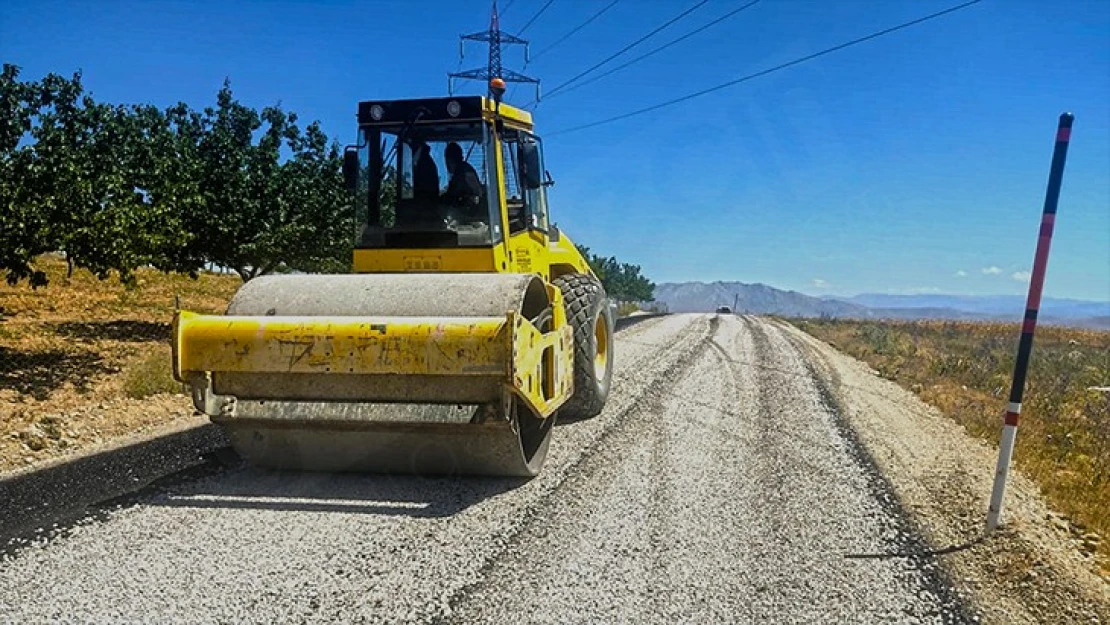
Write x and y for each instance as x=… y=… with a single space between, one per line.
x=24 y=231
x=320 y=211
x=165 y=172
x=92 y=160
x=78 y=185
x=261 y=214
x=622 y=281
x=117 y=187
x=18 y=106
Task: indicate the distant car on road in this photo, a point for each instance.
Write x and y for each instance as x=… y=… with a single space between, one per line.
x=724 y=310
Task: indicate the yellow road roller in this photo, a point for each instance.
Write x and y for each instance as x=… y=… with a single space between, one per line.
x=468 y=323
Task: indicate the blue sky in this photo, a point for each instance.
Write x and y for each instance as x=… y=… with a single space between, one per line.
x=915 y=162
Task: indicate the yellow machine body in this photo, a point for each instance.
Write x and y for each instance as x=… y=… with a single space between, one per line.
x=370 y=371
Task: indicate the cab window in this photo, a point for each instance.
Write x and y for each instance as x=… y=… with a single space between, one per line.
x=426 y=186
x=527 y=206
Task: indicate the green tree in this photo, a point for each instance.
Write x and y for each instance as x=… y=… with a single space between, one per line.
x=166 y=174
x=262 y=214
x=92 y=160
x=25 y=232
x=120 y=187
x=622 y=281
x=632 y=286
x=320 y=213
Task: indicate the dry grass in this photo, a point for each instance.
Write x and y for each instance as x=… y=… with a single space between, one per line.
x=83 y=298
x=151 y=374
x=965 y=370
x=627 y=308
x=77 y=357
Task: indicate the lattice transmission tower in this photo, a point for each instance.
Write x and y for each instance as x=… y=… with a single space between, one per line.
x=493 y=74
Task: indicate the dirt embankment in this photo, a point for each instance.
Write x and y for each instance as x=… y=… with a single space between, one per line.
x=84 y=362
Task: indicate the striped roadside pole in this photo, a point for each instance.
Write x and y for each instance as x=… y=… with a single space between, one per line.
x=1032 y=305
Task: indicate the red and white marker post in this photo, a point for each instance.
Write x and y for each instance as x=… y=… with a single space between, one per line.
x=1032 y=305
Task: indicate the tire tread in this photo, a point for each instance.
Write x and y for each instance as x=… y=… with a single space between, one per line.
x=580 y=294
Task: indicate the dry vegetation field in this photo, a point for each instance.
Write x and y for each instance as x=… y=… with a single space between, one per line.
x=83 y=361
x=965 y=370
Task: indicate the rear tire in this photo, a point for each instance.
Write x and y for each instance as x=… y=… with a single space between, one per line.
x=591 y=320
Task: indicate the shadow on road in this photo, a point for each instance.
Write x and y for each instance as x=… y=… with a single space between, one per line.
x=628 y=322
x=251 y=488
x=61 y=493
x=919 y=553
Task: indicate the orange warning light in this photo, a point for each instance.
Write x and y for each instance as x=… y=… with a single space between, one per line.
x=497 y=88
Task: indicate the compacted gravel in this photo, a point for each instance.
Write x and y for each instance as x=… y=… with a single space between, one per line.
x=721 y=484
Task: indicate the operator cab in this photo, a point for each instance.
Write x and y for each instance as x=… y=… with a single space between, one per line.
x=408 y=193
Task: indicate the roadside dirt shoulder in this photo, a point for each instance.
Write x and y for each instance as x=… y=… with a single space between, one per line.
x=29 y=440
x=1031 y=570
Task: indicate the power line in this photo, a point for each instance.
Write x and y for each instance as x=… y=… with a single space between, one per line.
x=534 y=18
x=565 y=37
x=659 y=49
x=631 y=45
x=521 y=32
x=767 y=71
x=576 y=29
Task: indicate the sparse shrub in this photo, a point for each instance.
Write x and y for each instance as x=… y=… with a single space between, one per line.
x=51 y=426
x=626 y=308
x=151 y=374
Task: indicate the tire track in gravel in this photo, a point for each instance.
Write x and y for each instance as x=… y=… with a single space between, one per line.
x=729 y=497
x=910 y=540
x=704 y=442
x=262 y=546
x=866 y=514
x=584 y=555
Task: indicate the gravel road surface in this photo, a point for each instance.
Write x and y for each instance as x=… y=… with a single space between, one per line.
x=721 y=484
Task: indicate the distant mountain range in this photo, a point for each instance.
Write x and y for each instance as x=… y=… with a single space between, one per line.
x=984 y=304
x=763 y=299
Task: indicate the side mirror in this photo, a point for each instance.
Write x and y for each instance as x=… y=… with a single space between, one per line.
x=530 y=158
x=350 y=168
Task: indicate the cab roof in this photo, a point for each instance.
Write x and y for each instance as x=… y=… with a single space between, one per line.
x=462 y=108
